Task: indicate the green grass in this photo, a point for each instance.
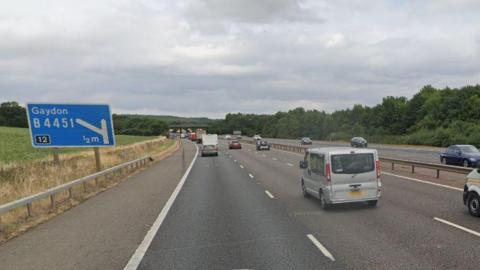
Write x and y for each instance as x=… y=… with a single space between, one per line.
x=16 y=146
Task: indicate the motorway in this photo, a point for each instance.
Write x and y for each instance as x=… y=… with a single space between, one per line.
x=244 y=210
x=413 y=153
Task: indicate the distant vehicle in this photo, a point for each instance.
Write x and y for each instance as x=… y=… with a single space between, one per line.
x=471 y=192
x=192 y=136
x=234 y=144
x=209 y=145
x=461 y=154
x=358 y=142
x=228 y=137
x=306 y=141
x=262 y=145
x=182 y=135
x=341 y=175
x=200 y=132
x=237 y=134
x=256 y=137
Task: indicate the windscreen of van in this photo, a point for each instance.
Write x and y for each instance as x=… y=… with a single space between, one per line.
x=352 y=163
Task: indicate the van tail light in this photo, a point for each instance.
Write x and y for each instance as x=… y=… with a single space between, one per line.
x=328 y=174
x=379 y=172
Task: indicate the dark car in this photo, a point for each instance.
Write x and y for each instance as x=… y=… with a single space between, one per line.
x=262 y=145
x=461 y=154
x=305 y=141
x=234 y=145
x=358 y=142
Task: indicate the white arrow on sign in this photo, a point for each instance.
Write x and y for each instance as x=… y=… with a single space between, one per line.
x=102 y=130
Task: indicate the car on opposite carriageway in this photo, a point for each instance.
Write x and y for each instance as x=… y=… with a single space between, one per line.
x=358 y=142
x=305 y=141
x=461 y=154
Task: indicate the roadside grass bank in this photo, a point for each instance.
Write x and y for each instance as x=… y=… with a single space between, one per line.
x=37 y=176
x=16 y=147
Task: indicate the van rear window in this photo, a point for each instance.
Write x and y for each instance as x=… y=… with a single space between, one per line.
x=352 y=163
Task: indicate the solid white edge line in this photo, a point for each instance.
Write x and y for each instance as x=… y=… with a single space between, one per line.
x=319 y=245
x=457 y=226
x=137 y=257
x=269 y=194
x=422 y=181
x=250 y=175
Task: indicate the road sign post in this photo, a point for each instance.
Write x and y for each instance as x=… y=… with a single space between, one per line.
x=56 y=157
x=71 y=125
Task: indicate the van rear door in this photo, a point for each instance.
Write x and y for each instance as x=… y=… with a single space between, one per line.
x=353 y=176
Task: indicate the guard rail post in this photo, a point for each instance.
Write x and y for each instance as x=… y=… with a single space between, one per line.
x=29 y=210
x=52 y=201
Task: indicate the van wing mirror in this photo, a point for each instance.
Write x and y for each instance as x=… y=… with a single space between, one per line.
x=303 y=164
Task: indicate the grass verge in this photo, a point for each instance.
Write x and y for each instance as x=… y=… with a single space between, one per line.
x=40 y=176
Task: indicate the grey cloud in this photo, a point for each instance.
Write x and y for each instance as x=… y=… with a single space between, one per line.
x=212 y=57
x=250 y=11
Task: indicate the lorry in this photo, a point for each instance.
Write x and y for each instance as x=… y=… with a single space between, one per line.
x=237 y=134
x=200 y=132
x=192 y=136
x=209 y=145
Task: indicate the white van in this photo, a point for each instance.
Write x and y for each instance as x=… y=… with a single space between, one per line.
x=341 y=175
x=209 y=145
x=471 y=192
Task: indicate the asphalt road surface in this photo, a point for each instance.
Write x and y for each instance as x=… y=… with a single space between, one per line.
x=414 y=153
x=244 y=210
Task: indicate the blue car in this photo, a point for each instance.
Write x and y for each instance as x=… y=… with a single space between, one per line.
x=461 y=154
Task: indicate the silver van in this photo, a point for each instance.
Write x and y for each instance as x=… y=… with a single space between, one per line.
x=341 y=175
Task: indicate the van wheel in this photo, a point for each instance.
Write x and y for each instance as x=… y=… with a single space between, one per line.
x=372 y=203
x=304 y=191
x=323 y=203
x=474 y=204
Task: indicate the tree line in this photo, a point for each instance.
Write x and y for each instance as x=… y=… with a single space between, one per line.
x=438 y=117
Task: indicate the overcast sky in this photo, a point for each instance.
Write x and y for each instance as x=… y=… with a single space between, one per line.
x=211 y=57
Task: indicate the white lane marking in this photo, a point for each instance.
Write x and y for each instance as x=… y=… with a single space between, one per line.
x=289 y=164
x=250 y=175
x=269 y=194
x=457 y=226
x=422 y=181
x=234 y=160
x=241 y=166
x=274 y=158
x=263 y=155
x=319 y=245
x=137 y=257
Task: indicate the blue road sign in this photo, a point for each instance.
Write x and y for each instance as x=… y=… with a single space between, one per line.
x=70 y=125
